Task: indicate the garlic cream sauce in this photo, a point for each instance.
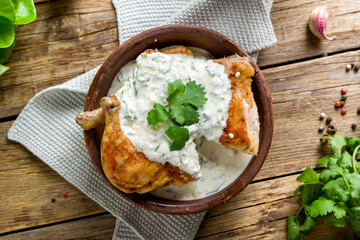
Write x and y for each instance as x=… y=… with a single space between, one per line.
x=143 y=82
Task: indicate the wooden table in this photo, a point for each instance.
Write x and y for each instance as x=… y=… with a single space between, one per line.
x=304 y=75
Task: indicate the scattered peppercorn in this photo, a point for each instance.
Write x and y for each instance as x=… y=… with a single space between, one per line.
x=353 y=126
x=328 y=120
x=331 y=129
x=342 y=103
x=343 y=97
x=53 y=200
x=322 y=116
x=343 y=91
x=343 y=111
x=337 y=104
x=348 y=67
x=352 y=65
x=321 y=129
x=356 y=67
x=358 y=111
x=66 y=195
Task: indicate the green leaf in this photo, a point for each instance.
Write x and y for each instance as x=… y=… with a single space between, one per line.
x=194 y=94
x=7 y=34
x=323 y=162
x=345 y=161
x=340 y=210
x=355 y=224
x=356 y=211
x=337 y=190
x=308 y=224
x=157 y=114
x=185 y=115
x=3 y=69
x=321 y=206
x=179 y=137
x=176 y=89
x=352 y=143
x=6 y=52
x=328 y=175
x=25 y=11
x=310 y=192
x=337 y=142
x=337 y=222
x=354 y=182
x=293 y=228
x=7 y=11
x=308 y=176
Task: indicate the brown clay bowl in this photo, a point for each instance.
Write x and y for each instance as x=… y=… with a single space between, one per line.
x=219 y=46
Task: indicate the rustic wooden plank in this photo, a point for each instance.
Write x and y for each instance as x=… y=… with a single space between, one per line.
x=67 y=39
x=27 y=187
x=298 y=100
x=295 y=41
x=300 y=92
x=97 y=227
x=70 y=37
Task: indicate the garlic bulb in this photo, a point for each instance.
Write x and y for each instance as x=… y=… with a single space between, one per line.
x=318 y=21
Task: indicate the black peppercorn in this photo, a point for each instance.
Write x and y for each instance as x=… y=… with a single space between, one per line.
x=358 y=111
x=356 y=67
x=331 y=129
x=328 y=120
x=342 y=103
x=353 y=126
x=352 y=65
x=53 y=200
x=343 y=98
x=321 y=129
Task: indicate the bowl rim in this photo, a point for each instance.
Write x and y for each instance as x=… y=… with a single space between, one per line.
x=203 y=204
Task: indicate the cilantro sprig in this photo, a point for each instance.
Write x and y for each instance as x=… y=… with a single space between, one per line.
x=335 y=192
x=181 y=110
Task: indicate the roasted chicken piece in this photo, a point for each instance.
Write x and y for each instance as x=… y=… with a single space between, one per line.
x=131 y=171
x=242 y=130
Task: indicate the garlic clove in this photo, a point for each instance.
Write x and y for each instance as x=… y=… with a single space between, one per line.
x=318 y=21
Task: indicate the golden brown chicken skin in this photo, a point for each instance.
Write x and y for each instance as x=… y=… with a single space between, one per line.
x=125 y=167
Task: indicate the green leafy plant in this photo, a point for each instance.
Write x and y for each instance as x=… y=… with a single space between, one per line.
x=12 y=14
x=183 y=103
x=335 y=192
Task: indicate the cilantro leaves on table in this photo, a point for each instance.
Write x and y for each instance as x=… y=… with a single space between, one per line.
x=335 y=192
x=12 y=13
x=182 y=110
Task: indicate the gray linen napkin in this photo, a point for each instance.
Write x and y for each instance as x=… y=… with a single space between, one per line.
x=47 y=128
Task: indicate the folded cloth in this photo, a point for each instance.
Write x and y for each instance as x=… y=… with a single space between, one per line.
x=47 y=128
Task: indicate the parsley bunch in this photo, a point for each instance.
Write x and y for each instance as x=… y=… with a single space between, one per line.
x=183 y=103
x=335 y=192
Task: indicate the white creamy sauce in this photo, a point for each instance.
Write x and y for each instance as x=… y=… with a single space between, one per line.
x=143 y=82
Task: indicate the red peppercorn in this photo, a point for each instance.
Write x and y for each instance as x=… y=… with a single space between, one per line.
x=343 y=111
x=66 y=195
x=343 y=91
x=338 y=104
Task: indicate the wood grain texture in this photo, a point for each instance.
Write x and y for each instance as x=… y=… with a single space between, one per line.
x=296 y=97
x=70 y=37
x=99 y=227
x=300 y=92
x=295 y=41
x=27 y=186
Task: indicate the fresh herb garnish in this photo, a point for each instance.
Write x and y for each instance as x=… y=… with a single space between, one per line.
x=183 y=103
x=335 y=192
x=12 y=13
